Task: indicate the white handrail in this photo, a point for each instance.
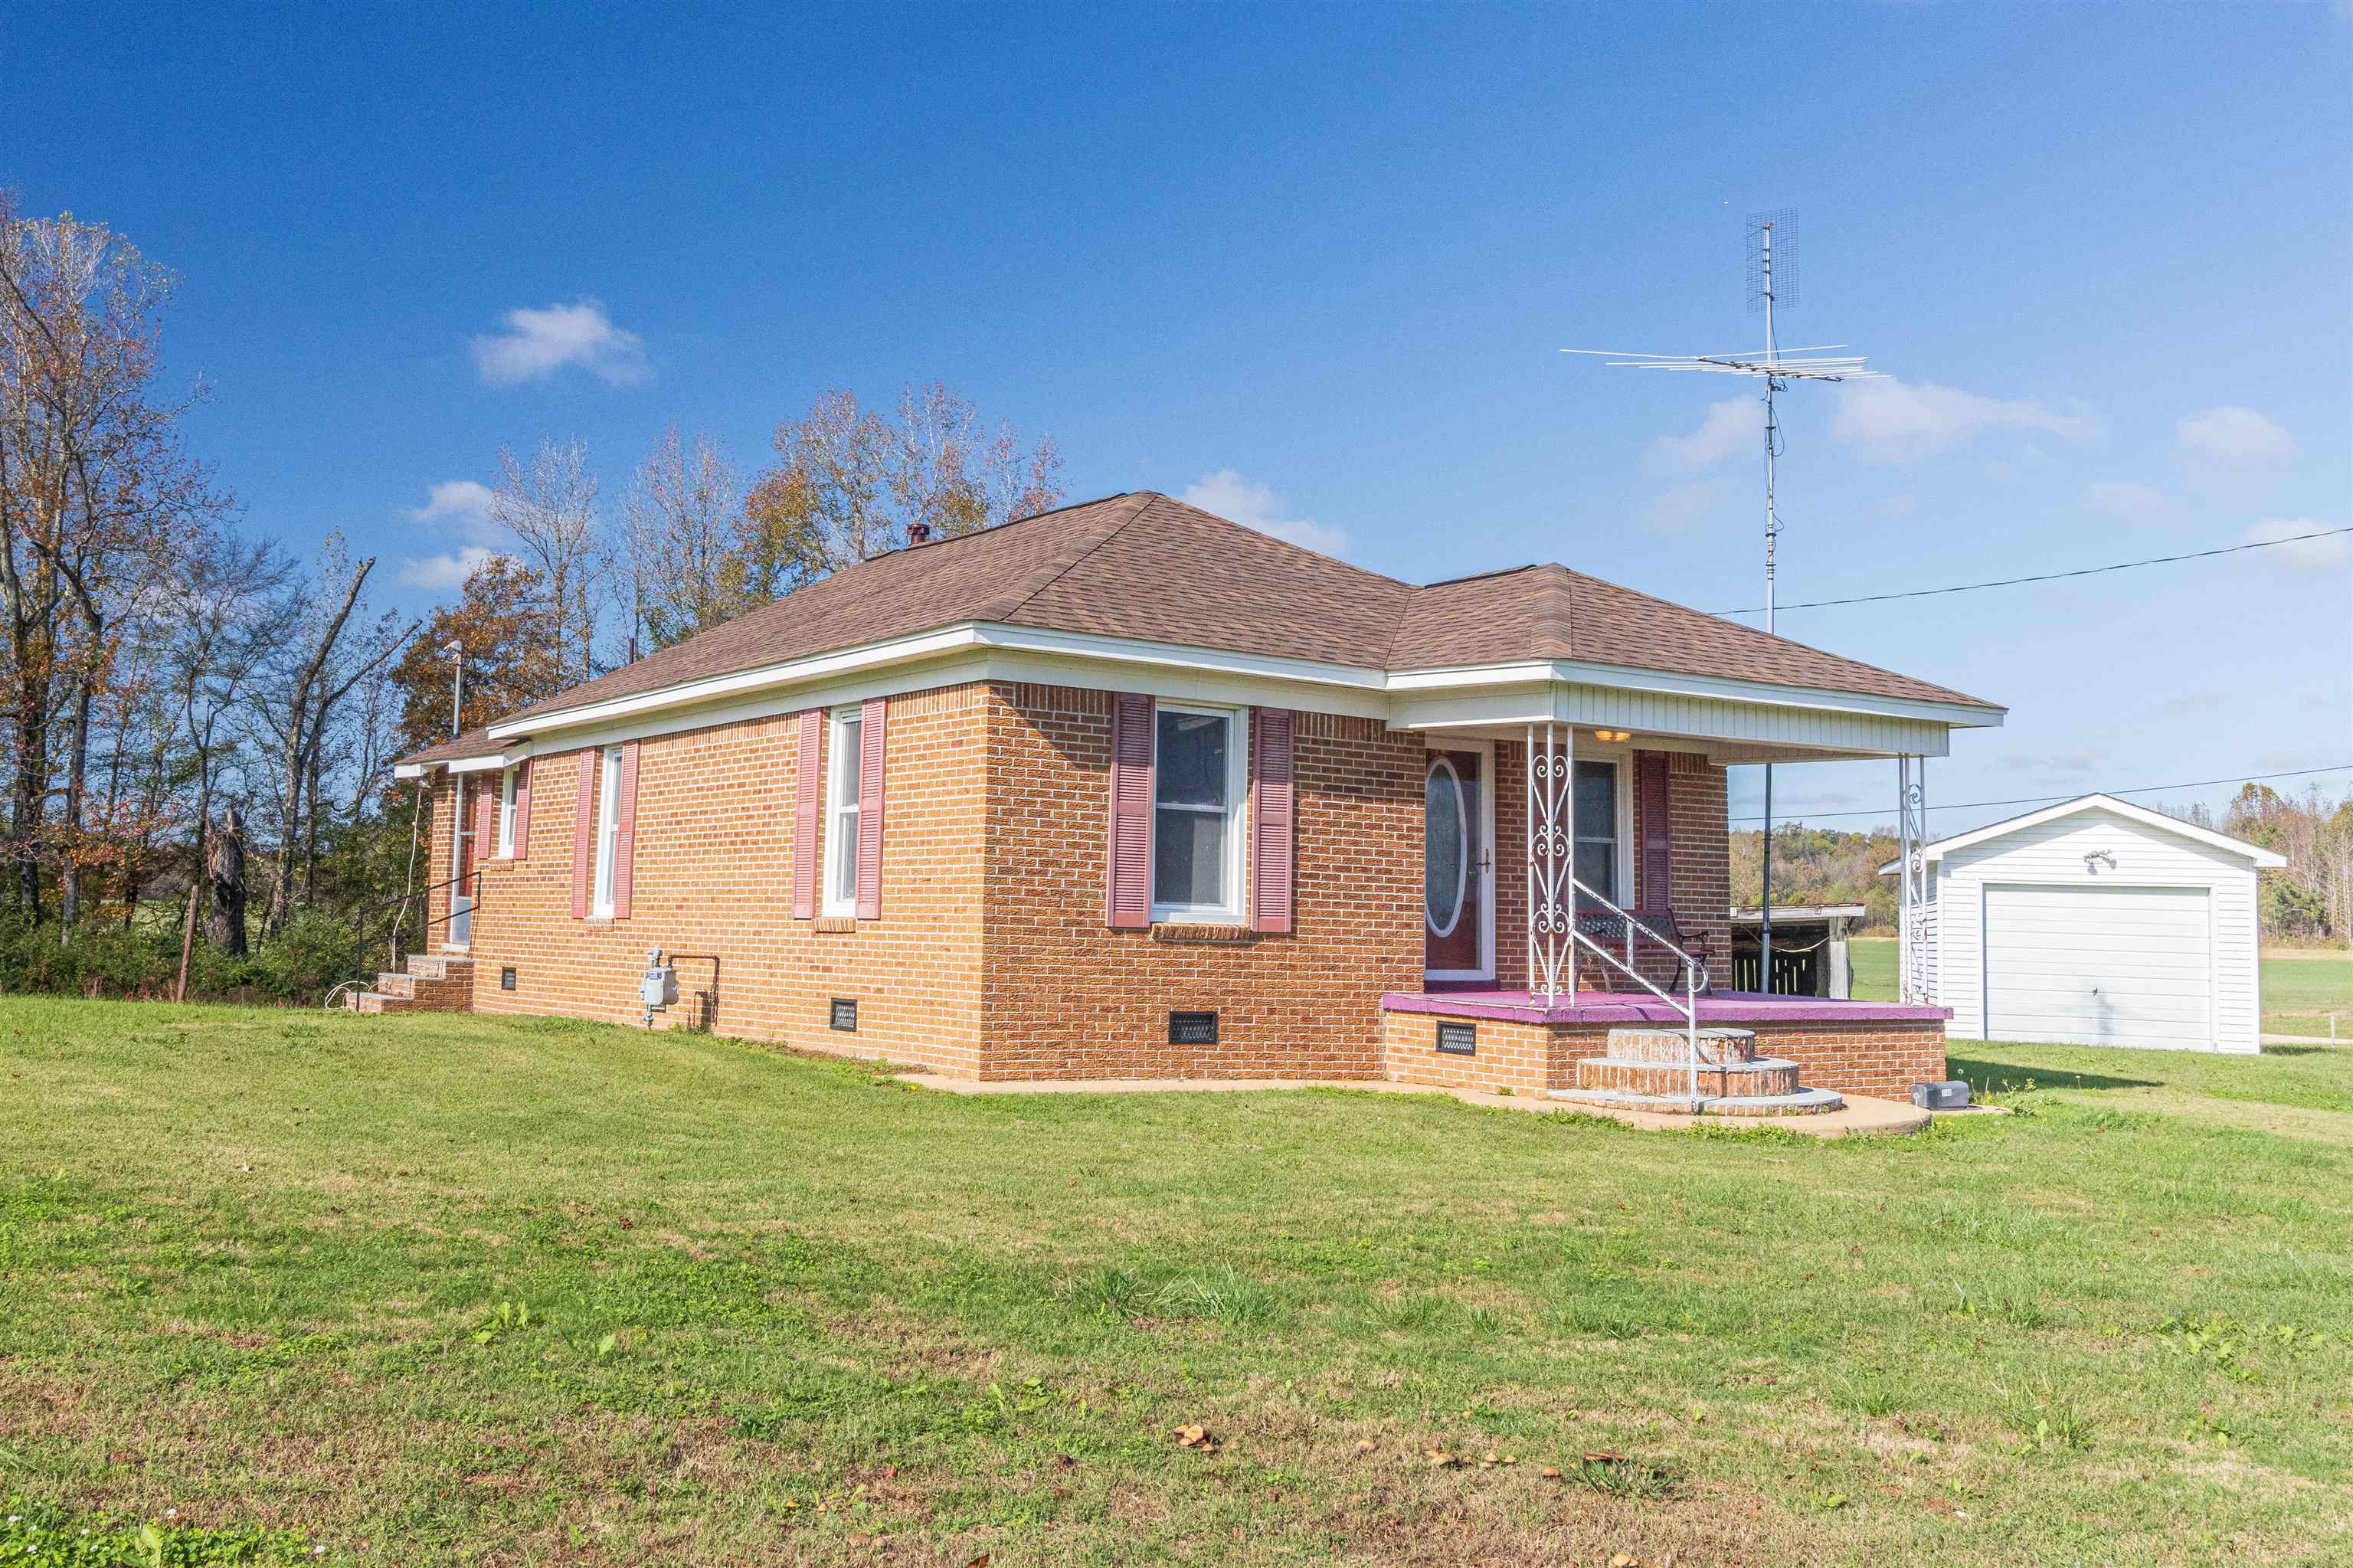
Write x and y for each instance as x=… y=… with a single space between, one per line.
x=1688 y=1007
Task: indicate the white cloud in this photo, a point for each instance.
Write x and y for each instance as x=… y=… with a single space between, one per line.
x=2124 y=497
x=539 y=342
x=441 y=573
x=2237 y=436
x=2328 y=551
x=462 y=504
x=1255 y=505
x=1733 y=428
x=1893 y=421
x=1675 y=510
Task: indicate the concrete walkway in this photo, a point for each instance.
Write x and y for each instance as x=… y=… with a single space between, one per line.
x=2304 y=1040
x=1860 y=1116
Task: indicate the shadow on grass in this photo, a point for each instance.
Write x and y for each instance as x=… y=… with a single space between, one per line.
x=2014 y=1073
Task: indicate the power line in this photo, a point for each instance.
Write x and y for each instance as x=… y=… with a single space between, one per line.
x=2050 y=577
x=2046 y=800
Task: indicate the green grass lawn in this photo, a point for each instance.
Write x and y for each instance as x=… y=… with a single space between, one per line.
x=451 y=1290
x=2301 y=987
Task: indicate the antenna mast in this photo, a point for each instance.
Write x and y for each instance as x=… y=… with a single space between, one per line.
x=1817 y=363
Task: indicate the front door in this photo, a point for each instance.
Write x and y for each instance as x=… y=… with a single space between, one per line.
x=1458 y=830
x=461 y=890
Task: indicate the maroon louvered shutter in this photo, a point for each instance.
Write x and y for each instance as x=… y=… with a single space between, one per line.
x=1657 y=836
x=809 y=797
x=625 y=830
x=1128 y=890
x=486 y=816
x=523 y=809
x=870 y=721
x=583 y=834
x=1271 y=806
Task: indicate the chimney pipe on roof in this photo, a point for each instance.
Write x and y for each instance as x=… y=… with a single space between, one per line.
x=918 y=532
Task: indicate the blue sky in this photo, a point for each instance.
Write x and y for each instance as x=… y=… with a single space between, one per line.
x=1314 y=264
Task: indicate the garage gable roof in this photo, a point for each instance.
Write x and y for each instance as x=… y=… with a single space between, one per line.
x=2262 y=858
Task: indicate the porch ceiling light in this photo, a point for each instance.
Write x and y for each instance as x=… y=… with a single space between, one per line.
x=1613 y=735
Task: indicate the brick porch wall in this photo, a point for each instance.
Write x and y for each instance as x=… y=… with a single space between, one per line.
x=1882 y=1060
x=713 y=874
x=1066 y=996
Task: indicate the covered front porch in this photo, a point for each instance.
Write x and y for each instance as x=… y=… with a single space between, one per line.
x=1578 y=913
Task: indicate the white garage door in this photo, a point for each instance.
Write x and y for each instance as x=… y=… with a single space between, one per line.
x=2099 y=966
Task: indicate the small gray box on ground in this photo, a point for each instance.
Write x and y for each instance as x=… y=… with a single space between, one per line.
x=1952 y=1096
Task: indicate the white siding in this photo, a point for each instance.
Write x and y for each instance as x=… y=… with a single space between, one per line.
x=2051 y=855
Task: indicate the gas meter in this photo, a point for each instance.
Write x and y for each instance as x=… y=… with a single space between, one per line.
x=659 y=989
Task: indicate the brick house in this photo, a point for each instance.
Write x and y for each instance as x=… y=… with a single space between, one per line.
x=1126 y=789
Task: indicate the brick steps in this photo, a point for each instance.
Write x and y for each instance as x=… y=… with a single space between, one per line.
x=425 y=982
x=1649 y=1068
x=1763 y=1077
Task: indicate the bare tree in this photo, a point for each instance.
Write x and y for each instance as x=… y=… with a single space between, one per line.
x=679 y=519
x=848 y=486
x=549 y=506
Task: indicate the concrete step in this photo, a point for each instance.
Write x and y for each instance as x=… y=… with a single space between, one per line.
x=387 y=983
x=1805 y=1102
x=1667 y=1042
x=439 y=965
x=376 y=1001
x=1765 y=1076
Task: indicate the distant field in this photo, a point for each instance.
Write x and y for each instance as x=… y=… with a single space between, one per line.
x=2301 y=986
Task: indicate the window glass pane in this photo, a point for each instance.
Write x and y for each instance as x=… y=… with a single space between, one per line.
x=1188 y=857
x=1597 y=867
x=1192 y=763
x=848 y=752
x=845 y=857
x=1443 y=848
x=1597 y=799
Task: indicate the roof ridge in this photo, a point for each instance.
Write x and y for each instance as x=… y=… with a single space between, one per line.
x=1071 y=560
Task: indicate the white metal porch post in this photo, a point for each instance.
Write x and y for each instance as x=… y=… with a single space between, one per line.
x=1910 y=878
x=1551 y=841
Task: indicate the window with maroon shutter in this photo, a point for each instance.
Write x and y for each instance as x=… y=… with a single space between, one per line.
x=1128 y=869
x=523 y=809
x=1657 y=835
x=808 y=790
x=1272 y=842
x=486 y=803
x=583 y=834
x=870 y=734
x=625 y=830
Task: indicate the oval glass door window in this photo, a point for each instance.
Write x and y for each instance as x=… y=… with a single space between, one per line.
x=1446 y=847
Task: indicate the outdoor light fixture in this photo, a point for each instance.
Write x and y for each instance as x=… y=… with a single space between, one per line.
x=1613 y=735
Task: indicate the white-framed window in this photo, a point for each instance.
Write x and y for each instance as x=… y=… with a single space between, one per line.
x=1604 y=850
x=608 y=831
x=844 y=776
x=507 y=813
x=1200 y=769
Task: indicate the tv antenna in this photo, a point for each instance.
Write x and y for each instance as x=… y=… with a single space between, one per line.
x=1775 y=367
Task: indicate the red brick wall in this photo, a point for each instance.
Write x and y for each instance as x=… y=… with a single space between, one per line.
x=1508 y=1056
x=1068 y=997
x=713 y=874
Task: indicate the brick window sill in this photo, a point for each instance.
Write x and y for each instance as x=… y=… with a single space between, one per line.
x=834 y=924
x=1203 y=935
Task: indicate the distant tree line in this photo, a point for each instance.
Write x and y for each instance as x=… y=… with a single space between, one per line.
x=200 y=727
x=2310 y=900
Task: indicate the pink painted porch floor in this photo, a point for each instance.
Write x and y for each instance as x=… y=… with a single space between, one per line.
x=1724 y=1008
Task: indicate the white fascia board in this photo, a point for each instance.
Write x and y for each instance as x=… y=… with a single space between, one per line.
x=2263 y=859
x=413 y=769
x=489 y=764
x=1134 y=651
x=1625 y=678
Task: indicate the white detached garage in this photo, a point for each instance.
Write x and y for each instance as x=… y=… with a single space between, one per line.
x=2097 y=923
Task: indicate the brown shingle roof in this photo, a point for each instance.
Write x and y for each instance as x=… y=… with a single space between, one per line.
x=1146 y=567
x=472 y=743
